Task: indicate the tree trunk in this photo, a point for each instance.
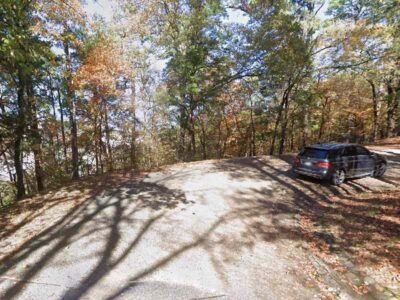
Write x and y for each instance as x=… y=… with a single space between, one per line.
x=96 y=146
x=3 y=152
x=391 y=111
x=100 y=145
x=55 y=150
x=322 y=120
x=74 y=141
x=107 y=129
x=133 y=151
x=203 y=139
x=72 y=115
x=7 y=166
x=219 y=148
x=305 y=122
x=253 y=132
x=277 y=122
x=36 y=138
x=284 y=125
x=192 y=137
x=292 y=135
x=62 y=124
x=19 y=132
x=133 y=157
x=375 y=126
x=183 y=120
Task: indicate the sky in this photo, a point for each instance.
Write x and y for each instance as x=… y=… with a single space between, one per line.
x=100 y=7
x=104 y=8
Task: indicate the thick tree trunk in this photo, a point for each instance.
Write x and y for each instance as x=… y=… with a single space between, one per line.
x=18 y=162
x=19 y=132
x=72 y=115
x=36 y=138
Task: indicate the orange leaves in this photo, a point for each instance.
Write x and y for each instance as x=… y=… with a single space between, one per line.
x=63 y=11
x=348 y=99
x=101 y=69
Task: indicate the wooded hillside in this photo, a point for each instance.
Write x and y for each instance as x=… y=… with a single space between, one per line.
x=183 y=80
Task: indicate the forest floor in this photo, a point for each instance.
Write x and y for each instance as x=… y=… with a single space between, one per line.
x=225 y=229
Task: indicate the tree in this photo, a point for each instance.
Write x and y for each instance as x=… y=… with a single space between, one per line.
x=99 y=74
x=66 y=24
x=283 y=46
x=176 y=80
x=24 y=53
x=373 y=43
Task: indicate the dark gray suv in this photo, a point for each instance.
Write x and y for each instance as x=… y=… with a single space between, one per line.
x=336 y=162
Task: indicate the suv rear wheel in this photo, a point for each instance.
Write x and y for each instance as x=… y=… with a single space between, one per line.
x=338 y=177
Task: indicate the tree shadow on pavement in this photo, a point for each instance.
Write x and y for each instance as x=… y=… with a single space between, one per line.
x=101 y=216
x=286 y=210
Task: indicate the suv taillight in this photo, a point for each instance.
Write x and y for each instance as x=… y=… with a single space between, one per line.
x=296 y=161
x=325 y=165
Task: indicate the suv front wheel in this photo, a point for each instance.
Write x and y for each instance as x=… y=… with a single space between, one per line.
x=338 y=177
x=380 y=170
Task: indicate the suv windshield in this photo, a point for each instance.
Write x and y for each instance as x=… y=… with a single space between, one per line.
x=314 y=153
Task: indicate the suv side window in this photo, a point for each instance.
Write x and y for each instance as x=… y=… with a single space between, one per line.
x=362 y=151
x=349 y=151
x=333 y=154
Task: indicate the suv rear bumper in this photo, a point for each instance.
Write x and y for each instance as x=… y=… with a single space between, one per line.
x=319 y=174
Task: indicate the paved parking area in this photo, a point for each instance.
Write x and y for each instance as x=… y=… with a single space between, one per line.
x=228 y=229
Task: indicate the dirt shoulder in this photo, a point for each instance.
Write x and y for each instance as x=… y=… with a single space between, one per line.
x=358 y=237
x=389 y=143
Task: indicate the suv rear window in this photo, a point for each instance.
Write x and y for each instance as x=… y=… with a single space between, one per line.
x=314 y=153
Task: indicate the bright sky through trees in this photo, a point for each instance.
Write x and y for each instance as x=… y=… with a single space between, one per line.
x=103 y=8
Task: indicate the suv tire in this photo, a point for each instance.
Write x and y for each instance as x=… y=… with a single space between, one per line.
x=338 y=177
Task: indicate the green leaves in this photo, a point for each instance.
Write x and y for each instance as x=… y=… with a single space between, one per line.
x=191 y=66
x=21 y=48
